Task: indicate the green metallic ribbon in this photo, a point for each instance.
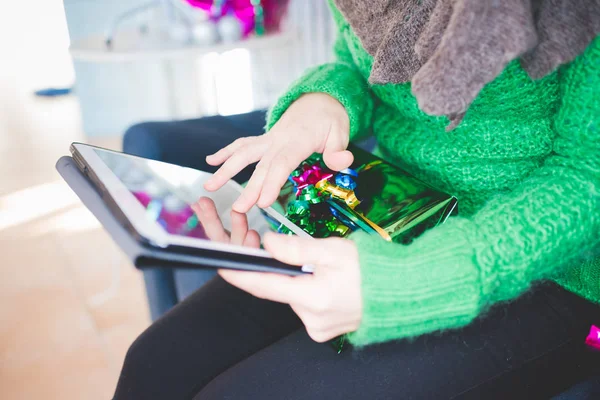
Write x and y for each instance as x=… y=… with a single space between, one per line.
x=311 y=209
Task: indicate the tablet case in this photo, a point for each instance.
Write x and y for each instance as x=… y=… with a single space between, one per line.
x=140 y=255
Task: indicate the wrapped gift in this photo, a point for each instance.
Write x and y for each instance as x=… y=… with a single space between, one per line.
x=371 y=196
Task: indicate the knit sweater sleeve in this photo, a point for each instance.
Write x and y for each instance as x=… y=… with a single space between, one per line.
x=340 y=79
x=448 y=276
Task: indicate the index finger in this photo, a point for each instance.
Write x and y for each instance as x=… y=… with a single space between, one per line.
x=223 y=154
x=209 y=219
x=237 y=162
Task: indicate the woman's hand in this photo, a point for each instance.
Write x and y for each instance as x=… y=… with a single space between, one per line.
x=329 y=301
x=315 y=123
x=213 y=227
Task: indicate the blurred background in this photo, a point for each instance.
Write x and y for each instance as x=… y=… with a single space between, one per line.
x=86 y=70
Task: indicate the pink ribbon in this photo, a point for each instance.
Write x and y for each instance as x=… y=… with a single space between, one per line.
x=593 y=339
x=311 y=174
x=244 y=11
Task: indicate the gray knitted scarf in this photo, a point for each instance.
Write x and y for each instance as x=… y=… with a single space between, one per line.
x=449 y=49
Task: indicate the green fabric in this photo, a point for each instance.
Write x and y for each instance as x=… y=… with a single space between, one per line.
x=339 y=79
x=525 y=166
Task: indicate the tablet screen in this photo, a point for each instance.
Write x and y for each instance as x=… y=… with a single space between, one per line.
x=171 y=195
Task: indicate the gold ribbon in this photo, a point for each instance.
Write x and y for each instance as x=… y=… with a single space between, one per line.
x=346 y=195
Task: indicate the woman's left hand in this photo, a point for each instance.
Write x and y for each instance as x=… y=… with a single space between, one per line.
x=329 y=301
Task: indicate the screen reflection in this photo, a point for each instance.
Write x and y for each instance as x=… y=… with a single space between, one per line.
x=174 y=197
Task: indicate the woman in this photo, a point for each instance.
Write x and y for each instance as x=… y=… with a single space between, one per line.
x=494 y=303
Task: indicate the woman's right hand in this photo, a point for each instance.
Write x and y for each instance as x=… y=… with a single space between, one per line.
x=315 y=123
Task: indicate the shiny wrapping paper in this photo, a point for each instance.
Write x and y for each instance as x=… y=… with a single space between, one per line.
x=372 y=196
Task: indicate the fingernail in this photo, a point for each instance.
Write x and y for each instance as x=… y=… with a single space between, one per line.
x=261 y=202
x=236 y=206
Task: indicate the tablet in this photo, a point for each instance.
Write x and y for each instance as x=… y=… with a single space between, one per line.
x=159 y=204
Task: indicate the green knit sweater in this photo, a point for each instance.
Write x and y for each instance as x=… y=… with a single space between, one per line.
x=525 y=166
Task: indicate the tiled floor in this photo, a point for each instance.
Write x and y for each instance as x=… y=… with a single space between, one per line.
x=70 y=303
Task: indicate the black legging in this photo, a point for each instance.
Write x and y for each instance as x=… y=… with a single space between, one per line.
x=222 y=343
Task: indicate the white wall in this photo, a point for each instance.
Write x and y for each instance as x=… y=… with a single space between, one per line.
x=34 y=44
